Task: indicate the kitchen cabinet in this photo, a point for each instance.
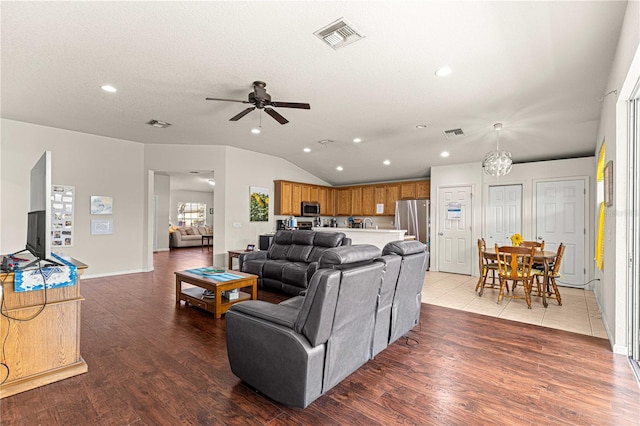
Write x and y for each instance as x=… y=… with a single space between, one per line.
x=305 y=192
x=368 y=200
x=423 y=189
x=296 y=199
x=326 y=199
x=380 y=197
x=282 y=198
x=356 y=201
x=313 y=194
x=392 y=195
x=331 y=202
x=408 y=191
x=343 y=202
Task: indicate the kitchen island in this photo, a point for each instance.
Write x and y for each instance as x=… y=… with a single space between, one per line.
x=377 y=237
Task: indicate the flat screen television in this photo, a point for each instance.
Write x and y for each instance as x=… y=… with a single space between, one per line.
x=36 y=234
x=39 y=219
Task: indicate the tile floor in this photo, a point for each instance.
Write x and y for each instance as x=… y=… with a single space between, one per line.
x=579 y=311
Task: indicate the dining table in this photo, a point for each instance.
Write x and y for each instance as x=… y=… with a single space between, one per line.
x=540 y=256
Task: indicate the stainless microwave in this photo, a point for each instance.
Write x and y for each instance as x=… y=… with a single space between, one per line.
x=309 y=209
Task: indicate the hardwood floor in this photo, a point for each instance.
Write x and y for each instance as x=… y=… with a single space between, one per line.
x=152 y=362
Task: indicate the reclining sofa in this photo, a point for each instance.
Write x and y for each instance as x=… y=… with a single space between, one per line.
x=291 y=259
x=354 y=307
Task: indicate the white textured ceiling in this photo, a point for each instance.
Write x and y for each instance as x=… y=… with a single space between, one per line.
x=538 y=67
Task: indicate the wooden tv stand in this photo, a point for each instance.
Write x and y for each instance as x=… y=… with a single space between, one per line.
x=47 y=348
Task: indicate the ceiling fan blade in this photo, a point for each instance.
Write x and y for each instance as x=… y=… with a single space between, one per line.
x=291 y=105
x=227 y=100
x=242 y=114
x=273 y=113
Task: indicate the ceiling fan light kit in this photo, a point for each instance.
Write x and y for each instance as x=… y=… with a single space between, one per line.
x=260 y=99
x=497 y=163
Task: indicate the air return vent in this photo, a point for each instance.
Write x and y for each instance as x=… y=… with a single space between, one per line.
x=159 y=124
x=339 y=34
x=453 y=133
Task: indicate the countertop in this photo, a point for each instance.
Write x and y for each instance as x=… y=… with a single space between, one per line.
x=380 y=231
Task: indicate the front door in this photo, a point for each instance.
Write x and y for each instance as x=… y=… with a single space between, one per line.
x=455 y=250
x=560 y=219
x=504 y=215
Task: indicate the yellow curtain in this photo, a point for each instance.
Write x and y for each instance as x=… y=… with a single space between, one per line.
x=600 y=170
x=600 y=239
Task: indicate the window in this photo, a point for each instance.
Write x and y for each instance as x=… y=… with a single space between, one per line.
x=191 y=214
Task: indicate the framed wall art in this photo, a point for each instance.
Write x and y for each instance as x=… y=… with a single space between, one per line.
x=62 y=215
x=101 y=227
x=101 y=204
x=258 y=204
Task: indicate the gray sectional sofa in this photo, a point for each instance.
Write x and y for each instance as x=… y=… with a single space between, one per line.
x=291 y=259
x=357 y=303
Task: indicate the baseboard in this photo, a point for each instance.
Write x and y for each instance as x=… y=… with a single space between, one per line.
x=162 y=249
x=111 y=274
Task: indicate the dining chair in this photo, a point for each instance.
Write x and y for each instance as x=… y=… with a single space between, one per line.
x=535 y=244
x=515 y=264
x=553 y=274
x=485 y=265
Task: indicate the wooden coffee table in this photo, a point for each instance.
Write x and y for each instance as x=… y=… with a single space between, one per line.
x=219 y=304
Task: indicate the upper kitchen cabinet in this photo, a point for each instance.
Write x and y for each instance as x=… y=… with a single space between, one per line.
x=282 y=198
x=343 y=202
x=296 y=198
x=380 y=197
x=368 y=200
x=392 y=195
x=423 y=189
x=356 y=201
x=314 y=196
x=326 y=199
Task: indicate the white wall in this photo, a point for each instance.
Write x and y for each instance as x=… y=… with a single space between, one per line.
x=525 y=174
x=162 y=192
x=95 y=165
x=611 y=290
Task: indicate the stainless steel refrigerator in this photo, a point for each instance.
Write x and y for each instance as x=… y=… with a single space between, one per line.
x=415 y=217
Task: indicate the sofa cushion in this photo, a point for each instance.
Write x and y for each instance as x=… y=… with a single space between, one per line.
x=296 y=273
x=254 y=266
x=202 y=230
x=323 y=241
x=182 y=231
x=334 y=258
x=273 y=269
x=190 y=231
x=279 y=248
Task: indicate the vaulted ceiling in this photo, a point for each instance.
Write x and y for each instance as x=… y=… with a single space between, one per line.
x=540 y=68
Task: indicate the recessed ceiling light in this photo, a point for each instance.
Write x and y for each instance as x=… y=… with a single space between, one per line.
x=444 y=71
x=109 y=88
x=444 y=154
x=255 y=131
x=357 y=140
x=211 y=182
x=421 y=126
x=386 y=162
x=307 y=150
x=339 y=168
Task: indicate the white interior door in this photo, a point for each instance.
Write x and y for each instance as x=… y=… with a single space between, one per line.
x=504 y=215
x=560 y=219
x=454 y=230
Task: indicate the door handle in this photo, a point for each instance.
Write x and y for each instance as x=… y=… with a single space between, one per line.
x=441 y=233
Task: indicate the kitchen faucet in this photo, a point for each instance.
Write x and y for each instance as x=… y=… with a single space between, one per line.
x=364 y=222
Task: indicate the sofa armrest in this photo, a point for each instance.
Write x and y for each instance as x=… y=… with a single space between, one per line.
x=251 y=255
x=277 y=314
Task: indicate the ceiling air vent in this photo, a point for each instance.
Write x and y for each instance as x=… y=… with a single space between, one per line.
x=339 y=34
x=159 y=124
x=453 y=133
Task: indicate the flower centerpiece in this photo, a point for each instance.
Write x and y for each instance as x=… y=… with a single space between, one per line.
x=516 y=239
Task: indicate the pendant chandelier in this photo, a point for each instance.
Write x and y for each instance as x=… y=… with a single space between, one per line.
x=497 y=163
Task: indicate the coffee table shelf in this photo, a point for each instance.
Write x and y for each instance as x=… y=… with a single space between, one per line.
x=219 y=304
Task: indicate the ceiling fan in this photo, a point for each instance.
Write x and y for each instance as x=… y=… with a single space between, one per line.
x=262 y=100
